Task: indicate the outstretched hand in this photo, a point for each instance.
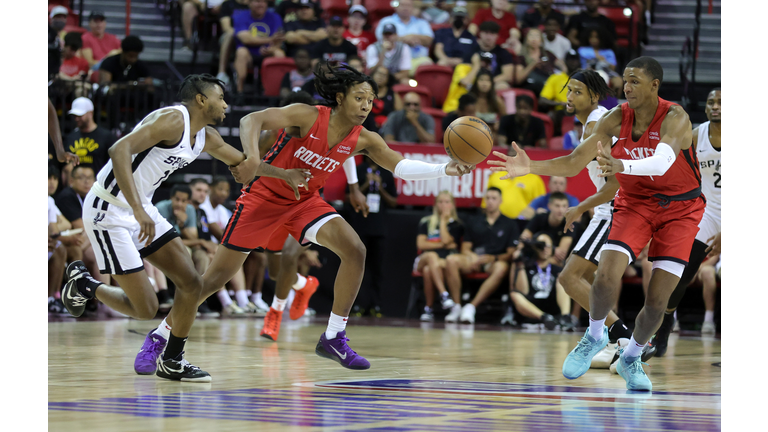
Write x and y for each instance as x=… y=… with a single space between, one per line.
x=456 y=169
x=515 y=166
x=607 y=164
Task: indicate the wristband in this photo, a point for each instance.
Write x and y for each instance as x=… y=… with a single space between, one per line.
x=656 y=165
x=350 y=169
x=417 y=170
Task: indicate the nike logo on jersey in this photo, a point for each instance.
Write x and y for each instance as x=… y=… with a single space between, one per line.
x=343 y=357
x=313 y=137
x=315 y=160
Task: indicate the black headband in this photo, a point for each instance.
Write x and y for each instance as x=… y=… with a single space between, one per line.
x=579 y=76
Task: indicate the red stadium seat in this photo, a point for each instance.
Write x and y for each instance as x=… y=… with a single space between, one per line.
x=567 y=124
x=519 y=91
x=378 y=9
x=555 y=143
x=272 y=71
x=423 y=91
x=623 y=24
x=549 y=125
x=437 y=78
x=95 y=77
x=335 y=7
x=437 y=114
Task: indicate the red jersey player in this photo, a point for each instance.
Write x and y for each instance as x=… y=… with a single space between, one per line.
x=660 y=200
x=314 y=142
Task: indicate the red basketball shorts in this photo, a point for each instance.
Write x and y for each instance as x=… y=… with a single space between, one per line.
x=262 y=223
x=671 y=229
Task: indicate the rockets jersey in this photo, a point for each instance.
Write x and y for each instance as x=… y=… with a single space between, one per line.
x=311 y=153
x=152 y=166
x=709 y=163
x=682 y=177
x=603 y=210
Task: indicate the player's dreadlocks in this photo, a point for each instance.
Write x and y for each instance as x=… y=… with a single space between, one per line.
x=197 y=84
x=330 y=80
x=595 y=83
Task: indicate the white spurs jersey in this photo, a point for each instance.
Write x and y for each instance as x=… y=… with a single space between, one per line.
x=602 y=211
x=709 y=164
x=152 y=166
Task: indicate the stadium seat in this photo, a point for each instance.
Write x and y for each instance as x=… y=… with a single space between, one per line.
x=437 y=114
x=335 y=7
x=623 y=24
x=516 y=92
x=423 y=91
x=272 y=71
x=378 y=9
x=437 y=78
x=567 y=124
x=549 y=125
x=555 y=143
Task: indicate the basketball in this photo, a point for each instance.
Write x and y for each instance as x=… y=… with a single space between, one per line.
x=468 y=140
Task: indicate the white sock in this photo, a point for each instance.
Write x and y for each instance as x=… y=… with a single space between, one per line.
x=242 y=298
x=231 y=292
x=300 y=283
x=335 y=324
x=256 y=296
x=633 y=349
x=164 y=329
x=596 y=328
x=248 y=293
x=278 y=305
x=224 y=298
x=709 y=316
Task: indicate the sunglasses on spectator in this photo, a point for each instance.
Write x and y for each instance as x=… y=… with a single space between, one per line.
x=412 y=104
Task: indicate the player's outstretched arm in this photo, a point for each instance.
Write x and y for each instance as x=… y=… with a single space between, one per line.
x=163 y=126
x=604 y=195
x=374 y=146
x=675 y=136
x=299 y=116
x=567 y=166
x=219 y=149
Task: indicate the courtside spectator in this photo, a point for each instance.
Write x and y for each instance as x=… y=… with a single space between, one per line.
x=57 y=260
x=356 y=32
x=536 y=16
x=489 y=55
x=296 y=78
x=590 y=18
x=88 y=141
x=388 y=101
x=253 y=42
x=97 y=43
x=227 y=38
x=306 y=31
x=454 y=44
x=190 y=9
x=541 y=203
x=521 y=127
x=516 y=193
x=390 y=52
x=411 y=30
x=334 y=48
x=509 y=35
x=554 y=42
x=553 y=224
x=409 y=124
x=126 y=66
x=490 y=106
x=467 y=107
x=72 y=66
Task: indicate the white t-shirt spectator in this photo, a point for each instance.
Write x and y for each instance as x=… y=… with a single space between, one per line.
x=219 y=215
x=372 y=58
x=418 y=26
x=559 y=47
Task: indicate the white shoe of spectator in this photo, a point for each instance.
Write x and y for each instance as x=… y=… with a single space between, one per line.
x=453 y=316
x=254 y=310
x=234 y=311
x=427 y=315
x=261 y=304
x=446 y=301
x=468 y=314
x=708 y=327
x=509 y=317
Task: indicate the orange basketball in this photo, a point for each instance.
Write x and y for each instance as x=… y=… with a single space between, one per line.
x=468 y=140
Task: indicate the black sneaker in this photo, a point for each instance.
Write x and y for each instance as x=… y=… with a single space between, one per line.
x=80 y=288
x=565 y=323
x=179 y=369
x=164 y=300
x=662 y=334
x=56 y=307
x=205 y=311
x=549 y=321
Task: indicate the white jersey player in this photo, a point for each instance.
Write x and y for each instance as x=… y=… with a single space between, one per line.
x=125 y=227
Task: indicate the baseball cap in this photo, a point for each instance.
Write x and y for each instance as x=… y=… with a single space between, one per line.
x=572 y=54
x=459 y=11
x=307 y=3
x=336 y=21
x=81 y=106
x=59 y=10
x=389 y=28
x=358 y=8
x=97 y=15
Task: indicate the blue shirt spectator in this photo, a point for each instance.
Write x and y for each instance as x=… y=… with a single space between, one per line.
x=588 y=53
x=541 y=202
x=268 y=25
x=456 y=47
x=407 y=24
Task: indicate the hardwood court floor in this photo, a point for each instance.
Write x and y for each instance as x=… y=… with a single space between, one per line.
x=423 y=377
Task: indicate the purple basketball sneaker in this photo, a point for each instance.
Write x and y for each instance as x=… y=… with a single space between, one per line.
x=337 y=350
x=146 y=359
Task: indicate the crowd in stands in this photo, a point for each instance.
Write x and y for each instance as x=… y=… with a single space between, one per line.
x=504 y=65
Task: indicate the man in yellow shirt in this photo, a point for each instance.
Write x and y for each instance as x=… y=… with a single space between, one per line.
x=516 y=193
x=554 y=94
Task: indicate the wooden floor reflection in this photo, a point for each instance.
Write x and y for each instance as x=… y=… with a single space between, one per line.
x=423 y=377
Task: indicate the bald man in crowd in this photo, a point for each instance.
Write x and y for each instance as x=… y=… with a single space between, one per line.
x=409 y=124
